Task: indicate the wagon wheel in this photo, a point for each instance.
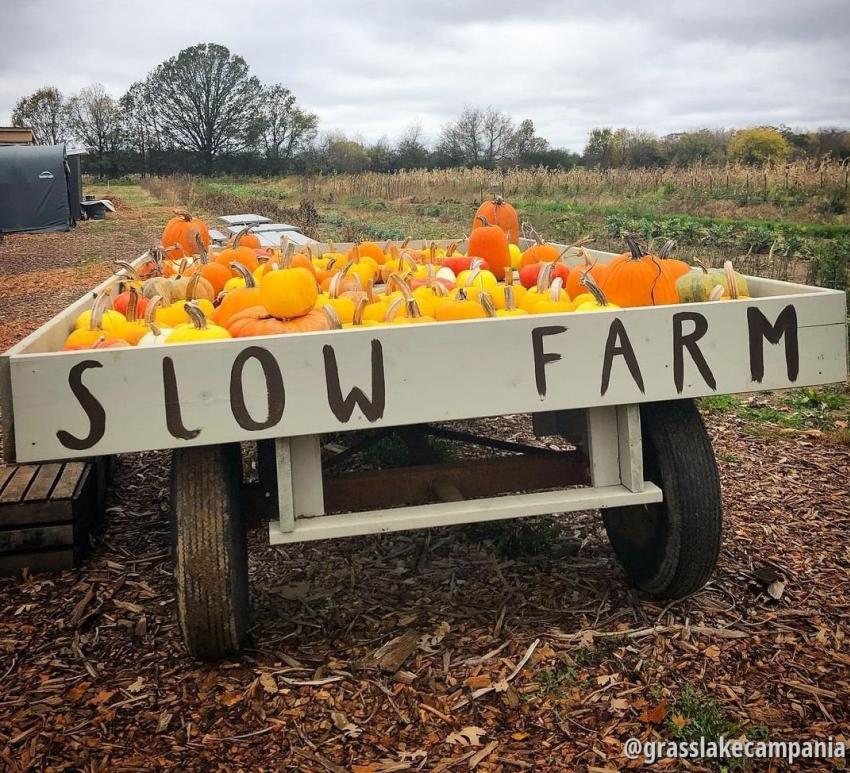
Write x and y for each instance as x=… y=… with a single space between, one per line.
x=211 y=566
x=670 y=548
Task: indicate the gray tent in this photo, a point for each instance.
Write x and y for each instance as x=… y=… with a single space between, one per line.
x=35 y=189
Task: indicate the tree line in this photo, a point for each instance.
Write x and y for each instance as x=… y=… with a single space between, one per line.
x=202 y=111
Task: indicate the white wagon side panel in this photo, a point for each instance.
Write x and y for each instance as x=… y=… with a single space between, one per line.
x=89 y=403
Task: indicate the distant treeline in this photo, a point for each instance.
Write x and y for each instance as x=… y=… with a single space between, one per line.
x=202 y=111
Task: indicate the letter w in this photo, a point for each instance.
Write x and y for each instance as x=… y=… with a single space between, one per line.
x=343 y=407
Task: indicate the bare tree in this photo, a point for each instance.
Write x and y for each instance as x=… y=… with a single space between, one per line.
x=284 y=129
x=206 y=100
x=526 y=142
x=477 y=137
x=139 y=127
x=94 y=118
x=411 y=152
x=44 y=112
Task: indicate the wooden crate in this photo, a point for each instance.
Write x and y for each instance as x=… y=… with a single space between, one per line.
x=47 y=512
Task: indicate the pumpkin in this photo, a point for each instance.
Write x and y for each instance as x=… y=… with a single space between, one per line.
x=595 y=299
x=121 y=302
x=216 y=274
x=178 y=236
x=134 y=328
x=156 y=334
x=477 y=277
x=255 y=321
x=460 y=307
x=673 y=267
x=233 y=301
x=500 y=213
x=555 y=300
x=696 y=286
x=359 y=319
x=197 y=330
x=637 y=279
x=540 y=251
x=99 y=317
x=530 y=271
x=244 y=238
x=244 y=255
x=732 y=282
x=499 y=292
x=367 y=249
x=343 y=303
x=489 y=242
x=591 y=267
x=103 y=342
x=89 y=326
x=542 y=291
x=510 y=308
x=288 y=292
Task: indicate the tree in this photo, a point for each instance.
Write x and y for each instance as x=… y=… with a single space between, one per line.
x=526 y=143
x=283 y=129
x=94 y=118
x=206 y=100
x=758 y=145
x=411 y=152
x=477 y=138
x=701 y=145
x=338 y=153
x=139 y=128
x=599 y=150
x=381 y=156
x=44 y=112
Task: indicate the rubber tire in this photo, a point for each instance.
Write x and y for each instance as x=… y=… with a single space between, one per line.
x=670 y=549
x=211 y=558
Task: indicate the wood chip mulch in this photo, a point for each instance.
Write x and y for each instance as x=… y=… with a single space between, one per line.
x=433 y=650
x=396 y=652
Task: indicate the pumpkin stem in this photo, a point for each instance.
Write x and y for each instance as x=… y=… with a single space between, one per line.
x=408 y=260
x=192 y=286
x=544 y=277
x=472 y=276
x=332 y=317
x=184 y=214
x=239 y=234
x=729 y=270
x=634 y=246
x=202 y=250
x=666 y=248
x=451 y=249
x=405 y=242
x=182 y=266
x=101 y=303
x=331 y=246
x=359 y=308
x=535 y=235
x=484 y=221
x=594 y=289
x=698 y=262
x=243 y=271
x=509 y=276
x=716 y=293
x=461 y=294
x=510 y=298
x=392 y=309
x=150 y=310
x=199 y=321
x=132 y=305
x=284 y=245
x=486 y=301
x=555 y=289
x=128 y=267
x=578 y=244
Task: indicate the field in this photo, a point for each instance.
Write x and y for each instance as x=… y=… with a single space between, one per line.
x=94 y=676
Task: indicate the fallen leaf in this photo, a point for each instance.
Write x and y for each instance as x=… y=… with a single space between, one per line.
x=268 y=683
x=230 y=698
x=679 y=721
x=712 y=651
x=342 y=723
x=137 y=685
x=776 y=589
x=469 y=736
x=101 y=697
x=519 y=736
x=618 y=704
x=655 y=716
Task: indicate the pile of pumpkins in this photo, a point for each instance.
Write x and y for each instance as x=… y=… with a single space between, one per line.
x=185 y=293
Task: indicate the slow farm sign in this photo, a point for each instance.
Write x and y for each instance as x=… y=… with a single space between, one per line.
x=79 y=404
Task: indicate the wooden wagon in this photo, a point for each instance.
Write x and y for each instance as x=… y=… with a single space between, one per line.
x=618 y=385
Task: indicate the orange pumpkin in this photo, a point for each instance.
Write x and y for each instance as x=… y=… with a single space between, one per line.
x=637 y=279
x=178 y=236
x=490 y=242
x=500 y=213
x=673 y=267
x=245 y=238
x=592 y=267
x=237 y=299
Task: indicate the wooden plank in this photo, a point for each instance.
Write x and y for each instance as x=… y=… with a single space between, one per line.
x=18 y=484
x=307 y=494
x=469 y=511
x=539 y=376
x=285 y=495
x=630 y=447
x=28 y=513
x=603 y=446
x=35 y=538
x=37 y=561
x=42 y=485
x=475 y=478
x=6 y=472
x=68 y=480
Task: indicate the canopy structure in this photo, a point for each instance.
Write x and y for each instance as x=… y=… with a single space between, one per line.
x=35 y=189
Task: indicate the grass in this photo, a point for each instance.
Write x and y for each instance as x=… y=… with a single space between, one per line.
x=517 y=539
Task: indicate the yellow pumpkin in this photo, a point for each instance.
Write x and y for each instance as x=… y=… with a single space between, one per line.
x=288 y=292
x=197 y=330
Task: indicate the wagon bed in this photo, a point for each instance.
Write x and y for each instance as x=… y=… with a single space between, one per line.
x=617 y=384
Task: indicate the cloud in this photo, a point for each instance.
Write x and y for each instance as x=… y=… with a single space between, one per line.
x=373 y=68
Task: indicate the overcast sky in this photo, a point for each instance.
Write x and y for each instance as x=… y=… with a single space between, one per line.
x=373 y=68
